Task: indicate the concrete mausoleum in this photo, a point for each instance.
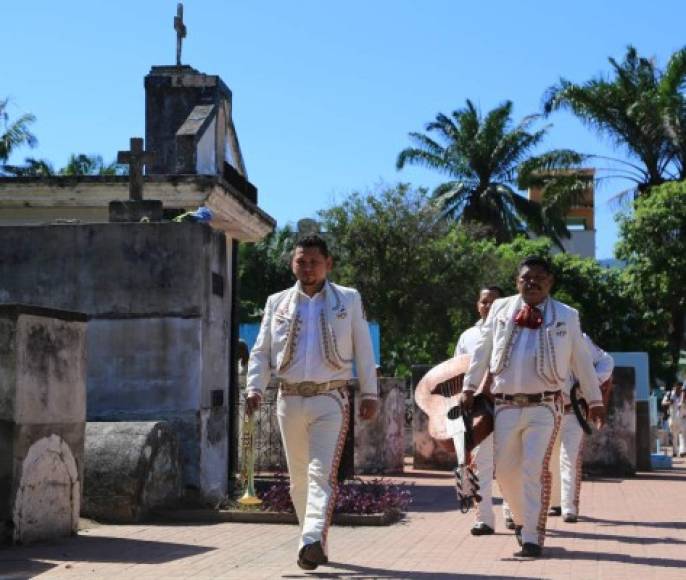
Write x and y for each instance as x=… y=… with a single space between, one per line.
x=161 y=295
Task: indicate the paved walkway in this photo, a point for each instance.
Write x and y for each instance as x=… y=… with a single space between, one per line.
x=634 y=529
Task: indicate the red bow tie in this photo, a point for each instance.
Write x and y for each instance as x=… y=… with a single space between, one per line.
x=529 y=316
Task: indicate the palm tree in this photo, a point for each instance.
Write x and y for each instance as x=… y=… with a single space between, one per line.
x=90 y=165
x=14 y=134
x=78 y=164
x=32 y=168
x=487 y=158
x=640 y=108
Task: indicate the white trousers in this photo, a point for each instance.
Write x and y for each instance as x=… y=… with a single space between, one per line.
x=524 y=438
x=313 y=430
x=677 y=429
x=566 y=464
x=482 y=464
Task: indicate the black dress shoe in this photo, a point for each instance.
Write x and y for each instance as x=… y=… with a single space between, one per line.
x=529 y=550
x=518 y=534
x=311 y=556
x=555 y=511
x=569 y=518
x=509 y=524
x=481 y=529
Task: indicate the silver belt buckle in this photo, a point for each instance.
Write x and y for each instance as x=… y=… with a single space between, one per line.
x=520 y=400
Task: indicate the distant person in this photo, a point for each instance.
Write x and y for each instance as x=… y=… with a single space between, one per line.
x=530 y=343
x=674 y=403
x=243 y=357
x=310 y=336
x=482 y=455
x=567 y=458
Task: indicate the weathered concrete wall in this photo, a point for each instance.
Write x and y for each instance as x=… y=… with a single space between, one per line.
x=143 y=364
x=106 y=270
x=131 y=468
x=159 y=295
x=42 y=417
x=380 y=443
x=612 y=450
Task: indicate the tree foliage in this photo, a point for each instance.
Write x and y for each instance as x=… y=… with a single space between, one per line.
x=264 y=268
x=487 y=158
x=653 y=243
x=640 y=108
x=14 y=134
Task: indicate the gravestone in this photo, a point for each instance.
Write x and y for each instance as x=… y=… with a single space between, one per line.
x=42 y=421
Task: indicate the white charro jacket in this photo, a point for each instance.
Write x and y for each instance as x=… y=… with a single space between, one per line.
x=344 y=338
x=561 y=347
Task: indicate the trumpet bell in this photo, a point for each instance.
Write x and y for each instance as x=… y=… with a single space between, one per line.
x=248 y=499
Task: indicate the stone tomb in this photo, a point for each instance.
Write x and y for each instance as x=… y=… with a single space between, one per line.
x=42 y=422
x=158 y=295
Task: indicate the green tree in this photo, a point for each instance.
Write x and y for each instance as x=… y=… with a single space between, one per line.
x=640 y=108
x=78 y=164
x=264 y=268
x=487 y=158
x=31 y=168
x=15 y=133
x=653 y=243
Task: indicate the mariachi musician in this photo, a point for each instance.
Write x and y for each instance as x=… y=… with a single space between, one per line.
x=482 y=455
x=530 y=343
x=567 y=458
x=310 y=336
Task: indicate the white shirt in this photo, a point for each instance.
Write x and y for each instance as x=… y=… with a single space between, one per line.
x=308 y=359
x=466 y=344
x=602 y=362
x=677 y=404
x=520 y=375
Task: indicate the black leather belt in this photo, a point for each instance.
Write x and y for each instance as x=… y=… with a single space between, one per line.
x=527 y=399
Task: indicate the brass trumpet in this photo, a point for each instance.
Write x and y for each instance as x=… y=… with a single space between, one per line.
x=248 y=468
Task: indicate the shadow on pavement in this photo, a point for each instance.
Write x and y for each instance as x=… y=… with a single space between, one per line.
x=92 y=549
x=563 y=554
x=611 y=537
x=366 y=572
x=22 y=569
x=650 y=524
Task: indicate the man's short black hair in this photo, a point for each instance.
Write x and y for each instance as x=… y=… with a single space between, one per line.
x=531 y=261
x=497 y=289
x=313 y=241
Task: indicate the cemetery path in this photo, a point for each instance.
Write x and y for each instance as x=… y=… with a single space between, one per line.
x=632 y=528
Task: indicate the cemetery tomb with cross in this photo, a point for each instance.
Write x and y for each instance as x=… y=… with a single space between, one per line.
x=136 y=159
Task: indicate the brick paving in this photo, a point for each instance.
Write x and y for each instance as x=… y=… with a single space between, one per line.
x=632 y=529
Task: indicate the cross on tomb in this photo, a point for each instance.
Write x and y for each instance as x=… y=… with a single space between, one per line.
x=136 y=159
x=180 y=28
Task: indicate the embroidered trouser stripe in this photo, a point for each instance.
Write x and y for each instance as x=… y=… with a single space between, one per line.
x=313 y=431
x=546 y=483
x=566 y=464
x=524 y=437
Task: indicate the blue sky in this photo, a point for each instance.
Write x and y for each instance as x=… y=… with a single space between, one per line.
x=324 y=92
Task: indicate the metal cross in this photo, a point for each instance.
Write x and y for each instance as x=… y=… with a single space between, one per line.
x=180 y=28
x=136 y=159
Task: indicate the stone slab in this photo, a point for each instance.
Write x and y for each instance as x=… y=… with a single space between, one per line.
x=136 y=210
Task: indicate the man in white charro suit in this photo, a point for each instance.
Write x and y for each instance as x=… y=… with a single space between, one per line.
x=567 y=458
x=310 y=336
x=482 y=455
x=530 y=343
